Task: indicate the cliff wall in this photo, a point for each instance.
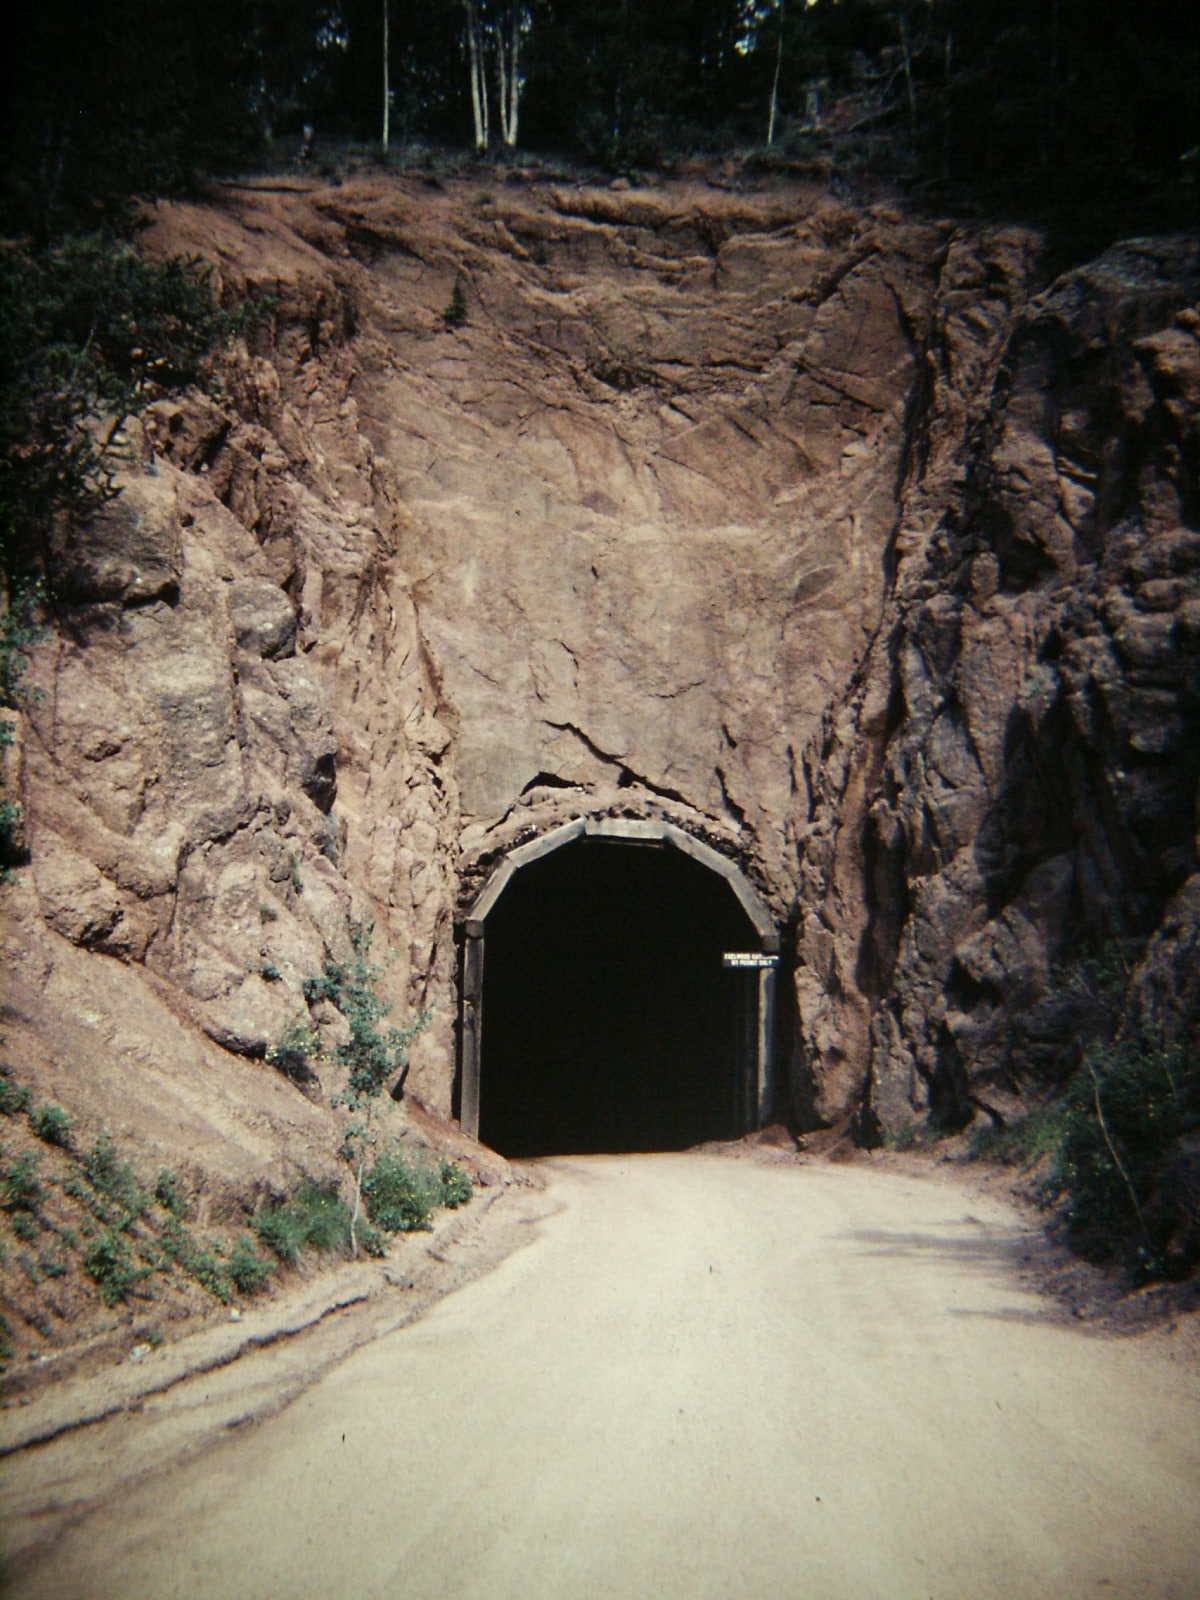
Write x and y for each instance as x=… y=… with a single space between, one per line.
x=829 y=534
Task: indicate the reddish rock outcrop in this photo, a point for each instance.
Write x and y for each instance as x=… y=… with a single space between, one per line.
x=800 y=525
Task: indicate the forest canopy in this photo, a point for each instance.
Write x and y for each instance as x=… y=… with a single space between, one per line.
x=1028 y=103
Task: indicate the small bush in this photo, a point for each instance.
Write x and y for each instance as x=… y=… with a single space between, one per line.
x=20 y=1186
x=54 y=1266
x=114 y=1179
x=107 y=1263
x=1127 y=1106
x=203 y=1264
x=6 y=1339
x=314 y=1215
x=325 y=1214
x=455 y=312
x=169 y=1192
x=456 y=1184
x=400 y=1194
x=247 y=1269
x=24 y=1225
x=282 y=1231
x=51 y=1124
x=29 y=1267
x=14 y=1096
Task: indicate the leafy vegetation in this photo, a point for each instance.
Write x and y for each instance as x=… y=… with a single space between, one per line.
x=248 y=1270
x=14 y=1097
x=1022 y=1142
x=169 y=1192
x=314 y=1215
x=372 y=1055
x=90 y=333
x=455 y=312
x=51 y=1124
x=114 y=1179
x=401 y=1194
x=107 y=1262
x=1129 y=1106
x=20 y=1187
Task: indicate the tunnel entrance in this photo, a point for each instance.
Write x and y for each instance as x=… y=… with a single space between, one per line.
x=604 y=1017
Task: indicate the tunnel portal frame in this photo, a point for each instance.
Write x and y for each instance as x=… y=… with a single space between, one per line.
x=757 y=1055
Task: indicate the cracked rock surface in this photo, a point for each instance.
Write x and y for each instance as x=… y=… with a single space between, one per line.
x=828 y=533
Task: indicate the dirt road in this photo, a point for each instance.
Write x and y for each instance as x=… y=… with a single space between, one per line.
x=704 y=1376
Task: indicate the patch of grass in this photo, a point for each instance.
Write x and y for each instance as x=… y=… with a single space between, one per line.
x=14 y=1097
x=107 y=1263
x=6 y=1339
x=313 y=1215
x=24 y=1225
x=29 y=1266
x=20 y=1187
x=248 y=1270
x=1023 y=1142
x=51 y=1124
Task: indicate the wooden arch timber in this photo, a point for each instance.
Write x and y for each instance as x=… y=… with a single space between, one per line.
x=757 y=1066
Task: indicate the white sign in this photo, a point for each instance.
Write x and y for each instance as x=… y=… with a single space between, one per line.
x=748 y=958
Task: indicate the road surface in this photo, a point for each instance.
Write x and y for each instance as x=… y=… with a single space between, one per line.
x=705 y=1375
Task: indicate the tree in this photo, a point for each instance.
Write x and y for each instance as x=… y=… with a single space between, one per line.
x=373 y=1056
x=494 y=32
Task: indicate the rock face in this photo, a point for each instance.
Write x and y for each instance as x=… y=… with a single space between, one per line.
x=1012 y=784
x=814 y=530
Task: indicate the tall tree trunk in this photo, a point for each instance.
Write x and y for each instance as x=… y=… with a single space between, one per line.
x=906 y=54
x=773 y=110
x=475 y=52
x=508 y=72
x=387 y=91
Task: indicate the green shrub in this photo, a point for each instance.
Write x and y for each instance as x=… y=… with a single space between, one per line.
x=54 y=1266
x=325 y=1215
x=115 y=1180
x=456 y=1184
x=455 y=313
x=1128 y=1104
x=203 y=1264
x=29 y=1267
x=20 y=1187
x=247 y=1269
x=14 y=1096
x=24 y=1225
x=400 y=1194
x=169 y=1192
x=88 y=328
x=6 y=1339
x=51 y=1124
x=371 y=1055
x=282 y=1231
x=314 y=1215
x=107 y=1263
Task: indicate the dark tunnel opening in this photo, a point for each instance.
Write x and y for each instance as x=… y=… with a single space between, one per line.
x=609 y=1022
